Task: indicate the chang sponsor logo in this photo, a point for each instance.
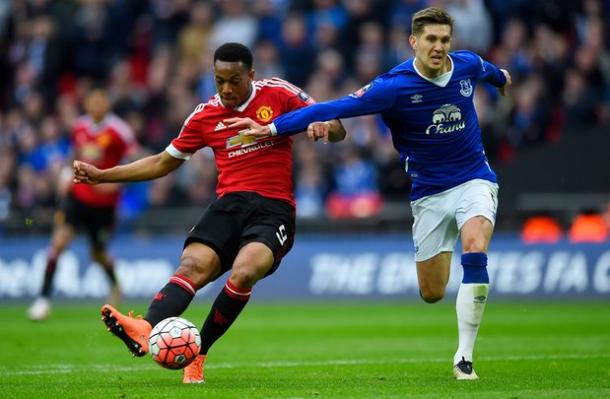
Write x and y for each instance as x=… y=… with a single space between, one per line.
x=446 y=119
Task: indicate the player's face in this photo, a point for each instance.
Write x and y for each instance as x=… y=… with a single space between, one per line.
x=233 y=82
x=431 y=48
x=97 y=105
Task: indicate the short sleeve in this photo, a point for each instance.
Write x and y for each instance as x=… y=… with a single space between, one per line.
x=488 y=72
x=290 y=97
x=191 y=138
x=129 y=144
x=299 y=100
x=125 y=142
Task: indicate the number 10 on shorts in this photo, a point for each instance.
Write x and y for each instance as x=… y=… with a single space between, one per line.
x=281 y=234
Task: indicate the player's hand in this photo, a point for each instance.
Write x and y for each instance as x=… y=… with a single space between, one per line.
x=509 y=81
x=318 y=130
x=248 y=127
x=85 y=173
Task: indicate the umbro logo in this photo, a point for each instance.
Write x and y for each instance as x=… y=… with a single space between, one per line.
x=416 y=98
x=219 y=126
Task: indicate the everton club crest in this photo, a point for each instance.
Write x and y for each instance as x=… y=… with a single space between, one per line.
x=465 y=88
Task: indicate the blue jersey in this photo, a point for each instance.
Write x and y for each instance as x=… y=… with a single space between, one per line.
x=433 y=122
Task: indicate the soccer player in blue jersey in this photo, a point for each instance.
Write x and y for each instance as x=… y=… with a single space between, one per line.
x=427 y=102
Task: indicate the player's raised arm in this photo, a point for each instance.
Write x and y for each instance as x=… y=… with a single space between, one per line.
x=147 y=168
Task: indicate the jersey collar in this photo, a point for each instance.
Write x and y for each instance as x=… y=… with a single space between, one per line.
x=441 y=80
x=95 y=128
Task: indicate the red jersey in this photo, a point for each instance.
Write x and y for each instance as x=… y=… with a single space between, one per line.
x=263 y=166
x=103 y=145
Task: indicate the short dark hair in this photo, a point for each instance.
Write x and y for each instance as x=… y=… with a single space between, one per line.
x=430 y=16
x=234 y=52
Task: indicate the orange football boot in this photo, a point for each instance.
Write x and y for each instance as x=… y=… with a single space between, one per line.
x=193 y=373
x=132 y=331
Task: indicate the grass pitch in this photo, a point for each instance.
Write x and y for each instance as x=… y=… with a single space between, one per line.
x=321 y=350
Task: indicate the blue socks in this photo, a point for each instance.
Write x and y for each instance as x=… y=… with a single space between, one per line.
x=475 y=268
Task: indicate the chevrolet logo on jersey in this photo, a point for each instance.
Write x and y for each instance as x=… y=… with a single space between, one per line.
x=264 y=113
x=240 y=140
x=90 y=152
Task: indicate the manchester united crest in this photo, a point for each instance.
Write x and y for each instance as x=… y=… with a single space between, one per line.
x=104 y=140
x=264 y=113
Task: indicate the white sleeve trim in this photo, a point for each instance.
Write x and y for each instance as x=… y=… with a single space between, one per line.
x=176 y=153
x=273 y=129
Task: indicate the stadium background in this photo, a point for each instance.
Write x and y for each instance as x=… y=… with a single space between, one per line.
x=341 y=318
x=548 y=139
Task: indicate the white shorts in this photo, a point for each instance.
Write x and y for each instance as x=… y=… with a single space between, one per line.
x=439 y=218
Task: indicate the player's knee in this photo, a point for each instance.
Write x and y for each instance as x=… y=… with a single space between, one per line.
x=244 y=277
x=473 y=244
x=195 y=270
x=431 y=294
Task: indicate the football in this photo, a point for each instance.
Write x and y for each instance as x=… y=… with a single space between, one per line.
x=174 y=343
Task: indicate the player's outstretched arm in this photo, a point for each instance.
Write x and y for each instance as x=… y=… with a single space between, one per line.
x=328 y=131
x=509 y=81
x=378 y=96
x=147 y=168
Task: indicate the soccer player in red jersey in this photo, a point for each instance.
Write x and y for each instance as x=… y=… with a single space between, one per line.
x=249 y=228
x=102 y=139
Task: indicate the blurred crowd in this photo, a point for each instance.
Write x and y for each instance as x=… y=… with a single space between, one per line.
x=154 y=58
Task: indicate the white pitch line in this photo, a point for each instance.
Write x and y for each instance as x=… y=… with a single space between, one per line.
x=110 y=368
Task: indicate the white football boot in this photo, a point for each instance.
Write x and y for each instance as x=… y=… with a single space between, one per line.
x=464 y=371
x=40 y=309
